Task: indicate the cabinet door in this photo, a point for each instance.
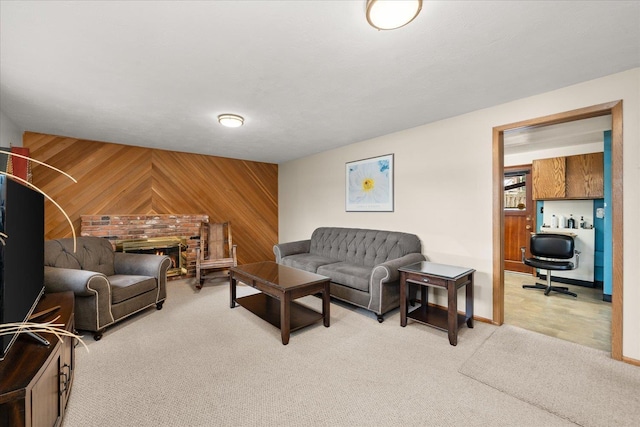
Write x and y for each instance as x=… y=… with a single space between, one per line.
x=549 y=178
x=66 y=370
x=45 y=395
x=585 y=176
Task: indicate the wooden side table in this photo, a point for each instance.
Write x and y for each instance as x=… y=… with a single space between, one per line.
x=448 y=277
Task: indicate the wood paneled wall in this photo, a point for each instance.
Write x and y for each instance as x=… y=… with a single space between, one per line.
x=120 y=179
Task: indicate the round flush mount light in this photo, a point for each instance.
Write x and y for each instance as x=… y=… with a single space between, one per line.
x=231 y=120
x=392 y=14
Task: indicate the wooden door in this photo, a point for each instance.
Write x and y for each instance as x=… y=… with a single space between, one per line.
x=519 y=216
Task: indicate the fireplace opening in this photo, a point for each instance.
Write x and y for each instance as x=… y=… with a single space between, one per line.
x=173 y=247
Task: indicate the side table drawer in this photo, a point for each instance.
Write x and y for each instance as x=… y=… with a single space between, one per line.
x=425 y=280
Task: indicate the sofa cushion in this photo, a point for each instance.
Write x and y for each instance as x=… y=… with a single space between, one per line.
x=124 y=287
x=362 y=247
x=353 y=276
x=96 y=255
x=307 y=262
x=92 y=254
x=58 y=255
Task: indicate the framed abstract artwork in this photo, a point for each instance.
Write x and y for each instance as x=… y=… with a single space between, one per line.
x=369 y=185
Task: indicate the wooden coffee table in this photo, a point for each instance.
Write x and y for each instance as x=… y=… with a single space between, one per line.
x=279 y=286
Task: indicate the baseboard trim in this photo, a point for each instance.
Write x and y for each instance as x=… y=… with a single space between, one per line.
x=631 y=361
x=476 y=318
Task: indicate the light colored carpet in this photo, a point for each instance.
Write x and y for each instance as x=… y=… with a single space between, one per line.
x=582 y=384
x=198 y=362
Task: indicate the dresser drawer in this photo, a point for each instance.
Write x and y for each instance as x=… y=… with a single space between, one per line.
x=422 y=279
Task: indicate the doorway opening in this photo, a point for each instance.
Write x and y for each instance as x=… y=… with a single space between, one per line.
x=519 y=218
x=615 y=110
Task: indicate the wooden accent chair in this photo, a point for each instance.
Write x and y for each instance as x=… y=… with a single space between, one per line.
x=216 y=254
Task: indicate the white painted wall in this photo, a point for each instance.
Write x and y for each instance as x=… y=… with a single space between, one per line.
x=443 y=186
x=10 y=133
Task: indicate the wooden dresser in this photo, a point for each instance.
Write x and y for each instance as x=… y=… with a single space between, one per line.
x=35 y=380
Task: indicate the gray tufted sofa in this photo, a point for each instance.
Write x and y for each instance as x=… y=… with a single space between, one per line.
x=108 y=285
x=362 y=264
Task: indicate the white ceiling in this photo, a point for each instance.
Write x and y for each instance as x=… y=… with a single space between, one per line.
x=578 y=132
x=307 y=75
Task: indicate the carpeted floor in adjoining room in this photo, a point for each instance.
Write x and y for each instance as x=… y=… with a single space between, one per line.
x=198 y=362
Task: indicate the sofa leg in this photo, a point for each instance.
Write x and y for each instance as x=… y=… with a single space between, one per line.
x=159 y=305
x=380 y=318
x=97 y=335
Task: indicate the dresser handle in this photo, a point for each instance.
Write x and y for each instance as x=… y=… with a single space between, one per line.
x=67 y=378
x=65 y=383
x=425 y=280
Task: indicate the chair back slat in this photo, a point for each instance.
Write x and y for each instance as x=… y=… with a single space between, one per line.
x=218 y=240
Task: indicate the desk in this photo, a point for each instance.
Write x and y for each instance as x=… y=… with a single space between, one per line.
x=448 y=277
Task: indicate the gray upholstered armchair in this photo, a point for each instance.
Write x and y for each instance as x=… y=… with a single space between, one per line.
x=108 y=285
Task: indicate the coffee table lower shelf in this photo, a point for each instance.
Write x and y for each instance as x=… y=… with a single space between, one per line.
x=434 y=316
x=268 y=308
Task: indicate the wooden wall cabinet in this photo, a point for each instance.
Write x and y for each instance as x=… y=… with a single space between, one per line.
x=549 y=178
x=571 y=177
x=585 y=176
x=35 y=380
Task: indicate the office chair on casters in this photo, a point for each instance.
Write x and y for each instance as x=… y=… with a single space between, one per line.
x=551 y=252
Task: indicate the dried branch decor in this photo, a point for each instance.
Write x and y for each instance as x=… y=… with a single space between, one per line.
x=30 y=185
x=49 y=327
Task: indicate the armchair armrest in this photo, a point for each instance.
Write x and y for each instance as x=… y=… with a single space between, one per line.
x=93 y=308
x=291 y=248
x=82 y=282
x=141 y=264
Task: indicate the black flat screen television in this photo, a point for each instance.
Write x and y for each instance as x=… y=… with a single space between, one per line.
x=21 y=255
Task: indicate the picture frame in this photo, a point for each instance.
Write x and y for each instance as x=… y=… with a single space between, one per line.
x=369 y=184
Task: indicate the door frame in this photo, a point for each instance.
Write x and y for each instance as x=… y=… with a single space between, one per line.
x=531 y=207
x=613 y=108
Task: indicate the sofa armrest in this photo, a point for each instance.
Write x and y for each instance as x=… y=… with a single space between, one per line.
x=388 y=271
x=82 y=282
x=383 y=276
x=141 y=264
x=291 y=248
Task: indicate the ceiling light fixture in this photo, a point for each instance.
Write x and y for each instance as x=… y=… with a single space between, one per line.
x=231 y=120
x=392 y=14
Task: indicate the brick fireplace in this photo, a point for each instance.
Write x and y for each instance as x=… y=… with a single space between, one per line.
x=172 y=246
x=144 y=230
